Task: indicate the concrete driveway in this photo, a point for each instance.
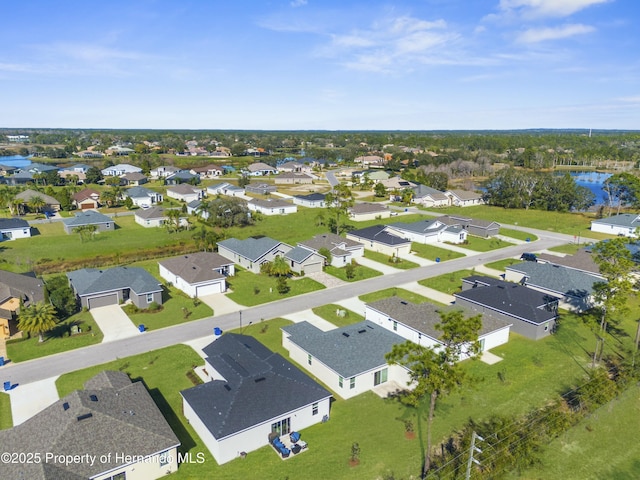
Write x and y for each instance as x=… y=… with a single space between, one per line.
x=221 y=304
x=114 y=323
x=31 y=398
x=380 y=267
x=312 y=318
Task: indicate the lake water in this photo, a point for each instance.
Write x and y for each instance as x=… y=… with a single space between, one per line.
x=15 y=161
x=593 y=181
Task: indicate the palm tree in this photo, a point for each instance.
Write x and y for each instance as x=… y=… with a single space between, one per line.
x=16 y=207
x=37 y=318
x=173 y=220
x=37 y=203
x=87 y=232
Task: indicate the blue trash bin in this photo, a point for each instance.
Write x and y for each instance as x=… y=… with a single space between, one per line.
x=1 y=361
x=528 y=239
x=141 y=328
x=7 y=386
x=437 y=259
x=217 y=331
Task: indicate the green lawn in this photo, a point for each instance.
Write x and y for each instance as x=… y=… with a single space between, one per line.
x=392 y=292
x=479 y=244
x=176 y=308
x=360 y=273
x=596 y=448
x=518 y=234
x=328 y=312
x=6 y=419
x=58 y=340
x=568 y=248
x=449 y=282
x=250 y=289
x=502 y=264
x=431 y=252
x=399 y=263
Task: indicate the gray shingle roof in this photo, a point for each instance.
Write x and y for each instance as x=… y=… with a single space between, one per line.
x=21 y=285
x=11 y=223
x=349 y=350
x=364 y=208
x=120 y=417
x=139 y=192
x=27 y=195
x=149 y=213
x=251 y=248
x=183 y=189
x=197 y=267
x=92 y=280
x=631 y=220
x=332 y=242
x=511 y=298
x=421 y=226
x=299 y=254
x=558 y=279
x=270 y=203
x=422 y=191
x=260 y=385
x=312 y=197
x=87 y=217
x=378 y=233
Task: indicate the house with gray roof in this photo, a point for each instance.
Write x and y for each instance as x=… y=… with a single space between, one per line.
x=198 y=274
x=51 y=204
x=83 y=218
x=350 y=360
x=312 y=200
x=464 y=198
x=361 y=212
x=252 y=252
x=293 y=178
x=573 y=287
x=133 y=179
x=417 y=322
x=143 y=197
x=260 y=188
x=303 y=260
x=342 y=249
x=379 y=239
x=624 y=224
x=532 y=313
x=113 y=426
x=581 y=260
x=475 y=226
x=182 y=176
x=17 y=288
x=429 y=231
x=261 y=169
x=185 y=192
x=12 y=228
x=272 y=206
x=430 y=197
x=225 y=188
x=120 y=170
x=112 y=286
x=253 y=394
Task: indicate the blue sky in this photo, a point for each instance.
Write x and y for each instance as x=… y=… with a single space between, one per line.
x=312 y=64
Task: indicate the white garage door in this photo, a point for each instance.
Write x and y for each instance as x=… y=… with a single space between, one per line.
x=209 y=289
x=103 y=301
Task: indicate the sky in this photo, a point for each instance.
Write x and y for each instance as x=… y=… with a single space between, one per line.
x=320 y=64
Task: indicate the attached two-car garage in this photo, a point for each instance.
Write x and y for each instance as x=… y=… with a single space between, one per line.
x=103 y=301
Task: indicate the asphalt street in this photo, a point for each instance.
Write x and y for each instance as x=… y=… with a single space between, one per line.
x=38 y=369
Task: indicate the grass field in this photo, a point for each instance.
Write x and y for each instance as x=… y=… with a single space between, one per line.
x=6 y=419
x=399 y=263
x=58 y=340
x=360 y=273
x=448 y=283
x=250 y=289
x=502 y=264
x=431 y=252
x=478 y=244
x=518 y=234
x=393 y=292
x=568 y=248
x=328 y=312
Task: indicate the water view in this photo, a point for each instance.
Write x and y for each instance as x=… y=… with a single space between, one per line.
x=15 y=161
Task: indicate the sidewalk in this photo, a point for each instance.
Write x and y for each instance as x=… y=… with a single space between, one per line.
x=429 y=293
x=380 y=267
x=312 y=318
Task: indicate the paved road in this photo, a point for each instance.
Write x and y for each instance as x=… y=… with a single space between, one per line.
x=331 y=178
x=38 y=369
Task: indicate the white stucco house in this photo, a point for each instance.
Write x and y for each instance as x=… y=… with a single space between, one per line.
x=251 y=253
x=624 y=224
x=379 y=239
x=184 y=192
x=272 y=206
x=253 y=395
x=313 y=200
x=120 y=169
x=464 y=198
x=12 y=228
x=342 y=249
x=198 y=274
x=362 y=212
x=143 y=197
x=429 y=231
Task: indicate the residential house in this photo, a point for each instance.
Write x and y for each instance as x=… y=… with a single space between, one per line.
x=260 y=188
x=624 y=224
x=120 y=170
x=185 y=193
x=21 y=177
x=113 y=424
x=370 y=161
x=582 y=260
x=102 y=222
x=154 y=217
x=182 y=177
x=72 y=177
x=362 y=212
x=14 y=289
x=261 y=169
x=272 y=206
x=379 y=239
x=292 y=178
x=40 y=168
x=254 y=395
x=573 y=287
x=112 y=286
x=252 y=252
x=430 y=197
x=12 y=228
x=475 y=226
x=51 y=204
x=342 y=250
x=429 y=231
x=350 y=360
x=294 y=167
x=198 y=274
x=396 y=184
x=417 y=322
x=6 y=170
x=225 y=189
x=313 y=200
x=133 y=179
x=303 y=260
x=87 y=199
x=143 y=197
x=532 y=313
x=208 y=171
x=118 y=150
x=464 y=198
x=164 y=171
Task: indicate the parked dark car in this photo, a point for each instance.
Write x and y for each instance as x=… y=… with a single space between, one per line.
x=529 y=257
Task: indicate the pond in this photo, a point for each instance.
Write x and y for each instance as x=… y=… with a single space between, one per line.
x=15 y=161
x=593 y=181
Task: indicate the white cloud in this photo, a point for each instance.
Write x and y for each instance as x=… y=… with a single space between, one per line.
x=535 y=35
x=632 y=99
x=298 y=3
x=546 y=8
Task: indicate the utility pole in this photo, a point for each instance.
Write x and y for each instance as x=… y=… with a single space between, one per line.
x=473 y=449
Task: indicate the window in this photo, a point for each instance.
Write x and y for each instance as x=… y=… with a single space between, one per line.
x=352 y=382
x=340 y=380
x=149 y=297
x=314 y=409
x=282 y=427
x=118 y=476
x=309 y=357
x=164 y=458
x=395 y=326
x=380 y=376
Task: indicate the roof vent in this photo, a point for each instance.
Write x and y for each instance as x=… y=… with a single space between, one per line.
x=93 y=398
x=345 y=334
x=369 y=326
x=364 y=330
x=84 y=417
x=261 y=379
x=403 y=302
x=227 y=388
x=65 y=406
